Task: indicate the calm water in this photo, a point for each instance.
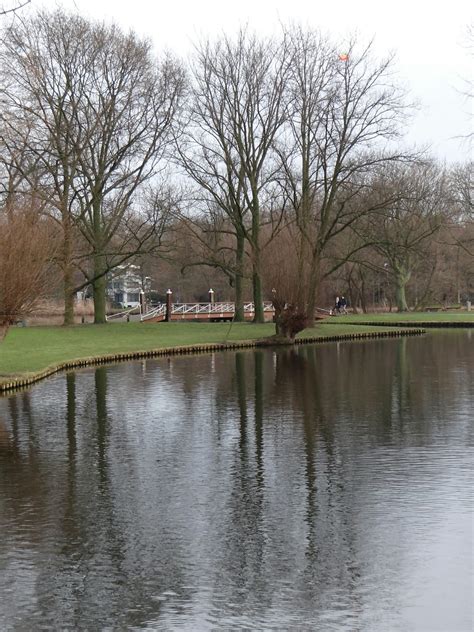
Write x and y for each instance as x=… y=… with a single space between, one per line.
x=318 y=488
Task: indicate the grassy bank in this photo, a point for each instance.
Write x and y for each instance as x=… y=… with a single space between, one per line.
x=32 y=349
x=409 y=317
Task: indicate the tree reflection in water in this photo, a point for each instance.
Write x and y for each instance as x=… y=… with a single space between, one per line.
x=293 y=488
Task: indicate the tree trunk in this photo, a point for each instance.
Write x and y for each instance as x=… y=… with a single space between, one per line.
x=401 y=298
x=354 y=299
x=68 y=270
x=303 y=254
x=289 y=321
x=401 y=281
x=99 y=287
x=256 y=270
x=68 y=295
x=362 y=291
x=239 y=303
x=257 y=297
x=313 y=287
x=283 y=332
x=363 y=301
x=100 y=283
x=4 y=327
x=257 y=278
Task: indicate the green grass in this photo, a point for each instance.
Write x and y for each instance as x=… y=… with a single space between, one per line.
x=406 y=316
x=32 y=349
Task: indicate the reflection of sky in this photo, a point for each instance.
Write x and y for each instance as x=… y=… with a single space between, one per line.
x=413 y=513
x=298 y=491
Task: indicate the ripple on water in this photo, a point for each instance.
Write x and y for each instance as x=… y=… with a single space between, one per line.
x=315 y=488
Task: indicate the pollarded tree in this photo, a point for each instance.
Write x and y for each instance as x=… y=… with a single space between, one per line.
x=102 y=107
x=284 y=283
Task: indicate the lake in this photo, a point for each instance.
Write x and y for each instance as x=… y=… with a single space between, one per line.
x=323 y=487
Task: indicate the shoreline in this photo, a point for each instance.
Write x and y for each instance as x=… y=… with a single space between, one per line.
x=14 y=383
x=425 y=324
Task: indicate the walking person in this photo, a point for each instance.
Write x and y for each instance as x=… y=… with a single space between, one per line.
x=343 y=305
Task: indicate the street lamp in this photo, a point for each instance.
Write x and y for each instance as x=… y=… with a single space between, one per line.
x=169 y=295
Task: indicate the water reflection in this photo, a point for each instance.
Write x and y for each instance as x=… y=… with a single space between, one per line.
x=323 y=487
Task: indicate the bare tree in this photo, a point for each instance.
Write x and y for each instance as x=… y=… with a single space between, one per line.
x=207 y=238
x=462 y=216
x=14 y=7
x=27 y=248
x=28 y=169
x=236 y=111
x=401 y=232
x=345 y=115
x=467 y=89
x=102 y=108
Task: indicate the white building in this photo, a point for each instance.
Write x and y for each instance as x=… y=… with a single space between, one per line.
x=125 y=284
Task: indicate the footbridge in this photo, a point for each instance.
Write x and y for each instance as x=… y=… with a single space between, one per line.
x=203 y=311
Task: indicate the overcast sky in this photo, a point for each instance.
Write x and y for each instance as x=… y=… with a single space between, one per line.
x=428 y=37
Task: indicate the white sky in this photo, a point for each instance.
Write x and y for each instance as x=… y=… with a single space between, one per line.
x=428 y=37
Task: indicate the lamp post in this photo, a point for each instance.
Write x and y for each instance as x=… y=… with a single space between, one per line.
x=169 y=298
x=274 y=303
x=211 y=296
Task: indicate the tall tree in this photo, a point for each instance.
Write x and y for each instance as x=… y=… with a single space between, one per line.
x=102 y=107
x=345 y=115
x=236 y=111
x=462 y=216
x=401 y=232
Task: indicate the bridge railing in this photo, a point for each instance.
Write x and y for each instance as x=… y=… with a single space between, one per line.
x=183 y=309
x=127 y=312
x=157 y=311
x=201 y=308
